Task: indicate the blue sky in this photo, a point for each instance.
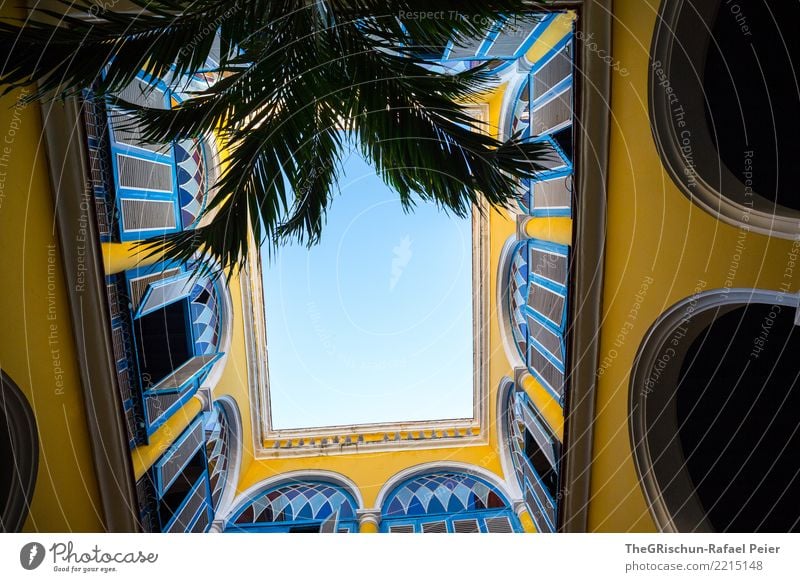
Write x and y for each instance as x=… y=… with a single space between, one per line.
x=374 y=324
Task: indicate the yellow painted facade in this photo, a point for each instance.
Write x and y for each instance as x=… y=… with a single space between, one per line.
x=659 y=246
x=37 y=346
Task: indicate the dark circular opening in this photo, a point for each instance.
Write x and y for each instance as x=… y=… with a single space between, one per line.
x=750 y=84
x=738 y=413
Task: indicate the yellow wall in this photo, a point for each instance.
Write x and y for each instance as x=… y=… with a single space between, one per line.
x=655 y=235
x=33 y=313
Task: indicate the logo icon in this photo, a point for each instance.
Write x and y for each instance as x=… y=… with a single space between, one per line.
x=31 y=555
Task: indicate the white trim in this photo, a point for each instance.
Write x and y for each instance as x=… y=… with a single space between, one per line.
x=225 y=303
x=503 y=393
x=247 y=496
x=369 y=516
x=503 y=305
x=436 y=466
x=234 y=454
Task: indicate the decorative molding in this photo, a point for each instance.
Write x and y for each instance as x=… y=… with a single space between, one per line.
x=589 y=238
x=369 y=516
x=205 y=397
x=91 y=325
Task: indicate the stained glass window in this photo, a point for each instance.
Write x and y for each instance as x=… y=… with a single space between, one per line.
x=534 y=452
x=217 y=446
x=301 y=506
x=518 y=290
x=447 y=501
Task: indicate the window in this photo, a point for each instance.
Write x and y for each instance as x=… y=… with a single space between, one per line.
x=144 y=190
x=298 y=507
x=218 y=437
x=715 y=397
x=535 y=458
x=722 y=80
x=163 y=341
x=446 y=502
x=166 y=326
x=538 y=280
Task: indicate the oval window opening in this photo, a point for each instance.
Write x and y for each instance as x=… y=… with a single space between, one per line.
x=750 y=89
x=738 y=412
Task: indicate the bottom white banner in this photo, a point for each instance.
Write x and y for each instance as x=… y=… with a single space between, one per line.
x=265 y=557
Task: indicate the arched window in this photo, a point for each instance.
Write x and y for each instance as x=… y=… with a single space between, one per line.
x=535 y=457
x=19 y=454
x=518 y=291
x=166 y=325
x=218 y=436
x=542 y=110
x=447 y=502
x=714 y=411
x=538 y=281
x=298 y=507
x=722 y=81
x=144 y=190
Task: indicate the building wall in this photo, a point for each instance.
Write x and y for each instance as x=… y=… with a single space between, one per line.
x=661 y=248
x=37 y=347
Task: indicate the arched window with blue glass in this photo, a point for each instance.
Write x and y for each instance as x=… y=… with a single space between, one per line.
x=218 y=444
x=538 y=289
x=141 y=189
x=447 y=501
x=166 y=326
x=518 y=296
x=542 y=110
x=303 y=506
x=535 y=456
x=505 y=43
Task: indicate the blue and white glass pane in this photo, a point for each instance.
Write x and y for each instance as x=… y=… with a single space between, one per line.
x=521 y=114
x=518 y=289
x=299 y=502
x=441 y=493
x=191 y=179
x=205 y=317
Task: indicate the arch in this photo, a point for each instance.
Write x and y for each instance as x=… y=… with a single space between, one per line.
x=446 y=500
x=659 y=424
x=225 y=313
x=297 y=503
x=19 y=447
x=231 y=411
x=514 y=99
x=331 y=477
x=453 y=466
x=535 y=457
x=717 y=124
x=504 y=390
x=504 y=296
